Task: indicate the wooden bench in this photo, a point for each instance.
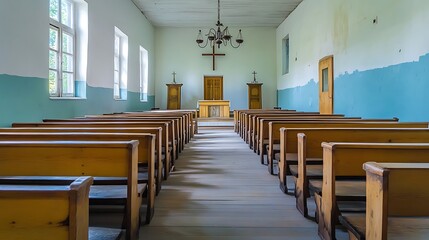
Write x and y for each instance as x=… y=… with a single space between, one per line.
x=146 y=154
x=166 y=133
x=48 y=212
x=82 y=158
x=270 y=133
x=250 y=117
x=188 y=117
x=260 y=125
x=269 y=136
x=344 y=161
x=173 y=126
x=310 y=140
x=289 y=142
x=396 y=200
x=157 y=131
x=243 y=118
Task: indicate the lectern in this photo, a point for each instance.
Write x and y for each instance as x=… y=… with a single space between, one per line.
x=255 y=95
x=174 y=92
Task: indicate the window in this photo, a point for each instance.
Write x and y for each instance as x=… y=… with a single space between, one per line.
x=120 y=65
x=61 y=49
x=143 y=74
x=285 y=54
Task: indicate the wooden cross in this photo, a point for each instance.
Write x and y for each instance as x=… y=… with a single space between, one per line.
x=174 y=77
x=214 y=56
x=254 y=76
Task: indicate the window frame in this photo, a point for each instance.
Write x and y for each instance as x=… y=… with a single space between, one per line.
x=144 y=74
x=61 y=30
x=120 y=84
x=286 y=55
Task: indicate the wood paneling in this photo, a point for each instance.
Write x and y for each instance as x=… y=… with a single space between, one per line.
x=197 y=13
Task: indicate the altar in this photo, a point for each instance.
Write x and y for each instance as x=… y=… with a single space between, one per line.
x=214 y=108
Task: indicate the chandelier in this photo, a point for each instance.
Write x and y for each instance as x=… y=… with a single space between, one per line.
x=219 y=36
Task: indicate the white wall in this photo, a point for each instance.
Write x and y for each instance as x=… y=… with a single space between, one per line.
x=345 y=29
x=104 y=15
x=24 y=35
x=176 y=50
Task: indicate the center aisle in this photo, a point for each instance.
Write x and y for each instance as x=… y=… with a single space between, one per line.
x=219 y=190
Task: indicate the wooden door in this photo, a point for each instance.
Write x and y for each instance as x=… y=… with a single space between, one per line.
x=213 y=87
x=326 y=85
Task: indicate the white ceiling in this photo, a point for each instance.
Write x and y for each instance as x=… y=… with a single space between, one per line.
x=203 y=13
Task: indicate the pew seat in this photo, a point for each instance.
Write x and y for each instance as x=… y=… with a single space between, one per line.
x=54 y=210
x=396 y=204
x=399 y=227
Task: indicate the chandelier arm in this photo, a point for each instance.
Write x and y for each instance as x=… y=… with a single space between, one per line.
x=211 y=29
x=205 y=45
x=230 y=42
x=219 y=37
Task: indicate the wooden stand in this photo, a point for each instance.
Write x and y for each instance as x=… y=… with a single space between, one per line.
x=174 y=93
x=255 y=95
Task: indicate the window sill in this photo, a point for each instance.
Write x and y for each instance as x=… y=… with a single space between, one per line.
x=67 y=98
x=119 y=99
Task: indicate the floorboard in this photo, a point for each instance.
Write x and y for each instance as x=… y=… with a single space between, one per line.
x=219 y=190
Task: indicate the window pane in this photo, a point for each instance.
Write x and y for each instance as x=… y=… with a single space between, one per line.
x=67 y=63
x=53 y=9
x=116 y=46
x=67 y=43
x=116 y=91
x=116 y=64
x=53 y=38
x=68 y=85
x=53 y=59
x=325 y=87
x=53 y=80
x=143 y=74
x=66 y=13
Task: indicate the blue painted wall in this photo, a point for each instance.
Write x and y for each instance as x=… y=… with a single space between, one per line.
x=303 y=98
x=26 y=99
x=400 y=90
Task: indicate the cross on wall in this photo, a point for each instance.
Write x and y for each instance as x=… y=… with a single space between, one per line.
x=214 y=54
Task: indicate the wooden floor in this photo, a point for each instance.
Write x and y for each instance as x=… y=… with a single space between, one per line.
x=219 y=190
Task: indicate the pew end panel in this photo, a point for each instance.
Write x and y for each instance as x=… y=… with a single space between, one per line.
x=45 y=212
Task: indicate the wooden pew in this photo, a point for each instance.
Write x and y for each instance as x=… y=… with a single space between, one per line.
x=179 y=122
x=166 y=130
x=249 y=120
x=396 y=203
x=49 y=212
x=190 y=117
x=271 y=135
x=174 y=127
x=289 y=144
x=260 y=125
x=81 y=158
x=390 y=188
x=345 y=160
x=310 y=140
x=243 y=118
x=157 y=131
x=146 y=153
